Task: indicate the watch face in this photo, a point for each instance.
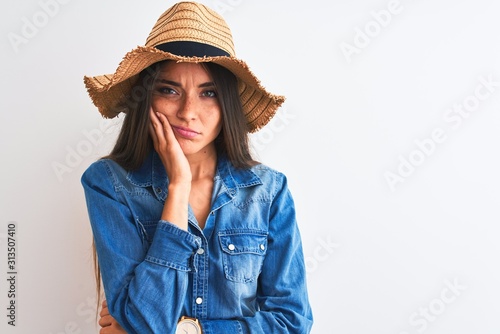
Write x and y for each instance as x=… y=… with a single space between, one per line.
x=188 y=326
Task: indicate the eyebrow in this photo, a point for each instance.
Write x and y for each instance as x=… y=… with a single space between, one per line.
x=176 y=84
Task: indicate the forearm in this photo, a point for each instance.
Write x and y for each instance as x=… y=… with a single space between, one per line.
x=175 y=209
x=145 y=282
x=262 y=322
x=152 y=296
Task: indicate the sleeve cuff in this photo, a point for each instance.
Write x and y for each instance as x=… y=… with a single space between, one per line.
x=222 y=326
x=173 y=247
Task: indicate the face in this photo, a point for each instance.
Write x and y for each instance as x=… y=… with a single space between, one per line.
x=186 y=95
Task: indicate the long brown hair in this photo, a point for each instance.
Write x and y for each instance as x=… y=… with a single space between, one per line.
x=134 y=142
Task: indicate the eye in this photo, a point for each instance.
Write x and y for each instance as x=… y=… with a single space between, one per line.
x=209 y=93
x=165 y=90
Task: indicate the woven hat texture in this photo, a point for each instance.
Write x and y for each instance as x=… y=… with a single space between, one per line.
x=186 y=32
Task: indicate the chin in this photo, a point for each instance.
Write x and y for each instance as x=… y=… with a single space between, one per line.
x=190 y=148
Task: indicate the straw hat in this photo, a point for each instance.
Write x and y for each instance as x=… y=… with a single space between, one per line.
x=186 y=32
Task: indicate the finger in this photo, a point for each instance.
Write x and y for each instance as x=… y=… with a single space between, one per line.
x=112 y=330
x=118 y=327
x=104 y=311
x=109 y=330
x=105 y=321
x=104 y=303
x=153 y=117
x=156 y=122
x=155 y=129
x=153 y=135
x=167 y=128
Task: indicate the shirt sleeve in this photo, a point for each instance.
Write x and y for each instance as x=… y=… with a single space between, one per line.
x=128 y=266
x=282 y=293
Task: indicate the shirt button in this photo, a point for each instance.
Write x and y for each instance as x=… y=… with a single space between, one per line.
x=200 y=251
x=231 y=247
x=199 y=300
x=262 y=247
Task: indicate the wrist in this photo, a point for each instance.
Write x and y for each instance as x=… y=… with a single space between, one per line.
x=175 y=209
x=179 y=187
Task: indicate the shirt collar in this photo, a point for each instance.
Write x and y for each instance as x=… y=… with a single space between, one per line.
x=152 y=174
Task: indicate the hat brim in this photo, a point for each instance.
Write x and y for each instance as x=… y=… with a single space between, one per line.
x=108 y=91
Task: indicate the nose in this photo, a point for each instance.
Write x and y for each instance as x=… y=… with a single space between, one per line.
x=187 y=108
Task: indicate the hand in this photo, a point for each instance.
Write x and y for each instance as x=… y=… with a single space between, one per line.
x=175 y=209
x=169 y=150
x=108 y=324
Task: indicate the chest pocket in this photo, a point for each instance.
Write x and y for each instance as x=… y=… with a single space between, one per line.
x=243 y=253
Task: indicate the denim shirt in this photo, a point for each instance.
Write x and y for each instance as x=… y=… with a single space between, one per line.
x=243 y=273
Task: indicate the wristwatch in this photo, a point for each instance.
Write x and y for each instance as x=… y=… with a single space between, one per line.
x=187 y=325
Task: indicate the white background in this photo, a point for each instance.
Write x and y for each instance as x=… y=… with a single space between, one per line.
x=380 y=259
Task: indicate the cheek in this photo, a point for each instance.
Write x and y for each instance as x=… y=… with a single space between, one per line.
x=217 y=121
x=161 y=105
x=211 y=117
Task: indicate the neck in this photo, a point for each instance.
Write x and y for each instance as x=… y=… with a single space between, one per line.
x=203 y=164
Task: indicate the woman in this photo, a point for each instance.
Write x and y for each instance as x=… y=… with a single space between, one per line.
x=192 y=234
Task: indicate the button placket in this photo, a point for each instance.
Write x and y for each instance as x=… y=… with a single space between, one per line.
x=200 y=281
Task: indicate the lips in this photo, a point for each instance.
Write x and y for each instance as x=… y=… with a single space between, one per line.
x=185 y=132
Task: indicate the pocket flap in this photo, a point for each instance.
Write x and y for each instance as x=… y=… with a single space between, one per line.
x=240 y=242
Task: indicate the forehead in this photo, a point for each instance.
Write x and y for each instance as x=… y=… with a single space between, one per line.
x=174 y=69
